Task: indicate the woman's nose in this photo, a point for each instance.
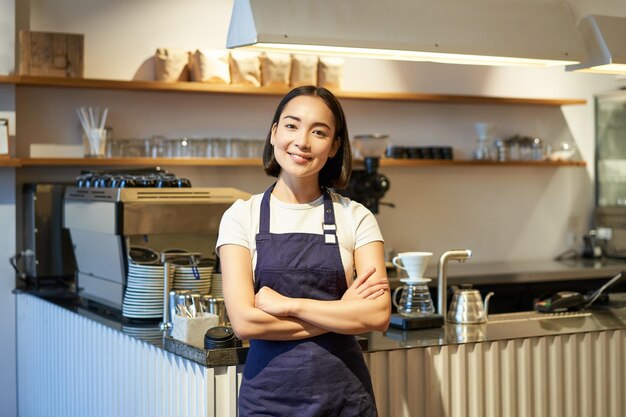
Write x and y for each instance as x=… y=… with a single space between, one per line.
x=302 y=141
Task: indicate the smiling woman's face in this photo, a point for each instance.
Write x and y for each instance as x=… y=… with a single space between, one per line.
x=303 y=138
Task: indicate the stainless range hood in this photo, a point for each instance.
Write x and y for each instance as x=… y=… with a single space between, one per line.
x=528 y=32
x=605 y=41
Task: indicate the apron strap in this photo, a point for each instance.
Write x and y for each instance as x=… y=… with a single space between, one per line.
x=329 y=227
x=264 y=221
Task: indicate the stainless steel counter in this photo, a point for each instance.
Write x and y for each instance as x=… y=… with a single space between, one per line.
x=506 y=327
x=501 y=327
x=528 y=271
x=501 y=273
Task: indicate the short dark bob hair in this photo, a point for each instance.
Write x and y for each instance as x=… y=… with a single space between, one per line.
x=338 y=169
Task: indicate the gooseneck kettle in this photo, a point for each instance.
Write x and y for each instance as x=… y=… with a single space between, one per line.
x=467 y=306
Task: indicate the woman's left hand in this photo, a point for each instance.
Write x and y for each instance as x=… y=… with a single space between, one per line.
x=271 y=302
x=366 y=288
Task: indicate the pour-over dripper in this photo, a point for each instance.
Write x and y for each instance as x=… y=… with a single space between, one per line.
x=414 y=263
x=371 y=146
x=485 y=132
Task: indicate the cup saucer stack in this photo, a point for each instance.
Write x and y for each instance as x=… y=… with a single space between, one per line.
x=216 y=290
x=199 y=281
x=143 y=297
x=148 y=333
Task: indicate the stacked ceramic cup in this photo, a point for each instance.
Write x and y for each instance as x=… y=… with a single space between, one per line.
x=193 y=275
x=143 y=296
x=216 y=290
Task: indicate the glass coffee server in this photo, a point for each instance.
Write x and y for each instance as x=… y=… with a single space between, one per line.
x=610 y=171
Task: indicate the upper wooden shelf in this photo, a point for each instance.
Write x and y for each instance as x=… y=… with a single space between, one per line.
x=470 y=162
x=107 y=162
x=10 y=162
x=197 y=87
x=255 y=162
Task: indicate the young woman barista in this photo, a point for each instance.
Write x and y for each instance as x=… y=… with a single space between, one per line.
x=288 y=258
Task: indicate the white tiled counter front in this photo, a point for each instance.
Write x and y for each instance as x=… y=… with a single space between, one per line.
x=72 y=365
x=571 y=375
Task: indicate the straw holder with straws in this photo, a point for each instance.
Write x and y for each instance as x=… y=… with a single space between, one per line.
x=92 y=122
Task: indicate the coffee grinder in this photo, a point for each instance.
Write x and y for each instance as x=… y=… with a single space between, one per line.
x=368 y=186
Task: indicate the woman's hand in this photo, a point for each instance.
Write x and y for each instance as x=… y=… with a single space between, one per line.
x=272 y=302
x=361 y=309
x=364 y=288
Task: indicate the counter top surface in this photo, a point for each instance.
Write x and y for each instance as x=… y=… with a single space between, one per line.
x=501 y=327
x=528 y=271
x=506 y=327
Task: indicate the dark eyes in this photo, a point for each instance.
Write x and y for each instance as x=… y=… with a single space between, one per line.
x=316 y=132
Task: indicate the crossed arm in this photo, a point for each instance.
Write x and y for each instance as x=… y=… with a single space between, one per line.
x=271 y=316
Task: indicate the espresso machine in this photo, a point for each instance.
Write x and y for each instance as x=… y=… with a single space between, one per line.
x=104 y=223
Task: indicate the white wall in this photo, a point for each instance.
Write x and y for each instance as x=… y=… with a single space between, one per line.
x=510 y=214
x=121 y=35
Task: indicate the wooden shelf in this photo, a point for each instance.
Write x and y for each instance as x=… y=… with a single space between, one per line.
x=197 y=87
x=469 y=162
x=108 y=162
x=10 y=162
x=255 y=162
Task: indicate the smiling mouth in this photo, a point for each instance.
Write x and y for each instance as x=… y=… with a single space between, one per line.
x=299 y=156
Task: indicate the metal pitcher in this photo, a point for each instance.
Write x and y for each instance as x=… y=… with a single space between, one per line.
x=467 y=307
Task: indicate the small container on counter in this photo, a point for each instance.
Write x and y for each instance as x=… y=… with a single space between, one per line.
x=215 y=305
x=192 y=330
x=220 y=337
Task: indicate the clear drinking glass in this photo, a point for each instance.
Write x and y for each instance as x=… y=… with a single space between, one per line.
x=415 y=299
x=94 y=142
x=255 y=148
x=238 y=148
x=157 y=146
x=218 y=148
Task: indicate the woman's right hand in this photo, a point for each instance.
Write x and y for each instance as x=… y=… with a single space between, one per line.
x=366 y=288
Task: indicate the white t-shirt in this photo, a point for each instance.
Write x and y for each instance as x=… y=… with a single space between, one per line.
x=356 y=225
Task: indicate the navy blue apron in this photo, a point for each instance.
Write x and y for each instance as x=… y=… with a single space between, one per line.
x=319 y=376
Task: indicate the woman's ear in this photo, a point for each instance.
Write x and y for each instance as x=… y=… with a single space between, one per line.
x=273 y=133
